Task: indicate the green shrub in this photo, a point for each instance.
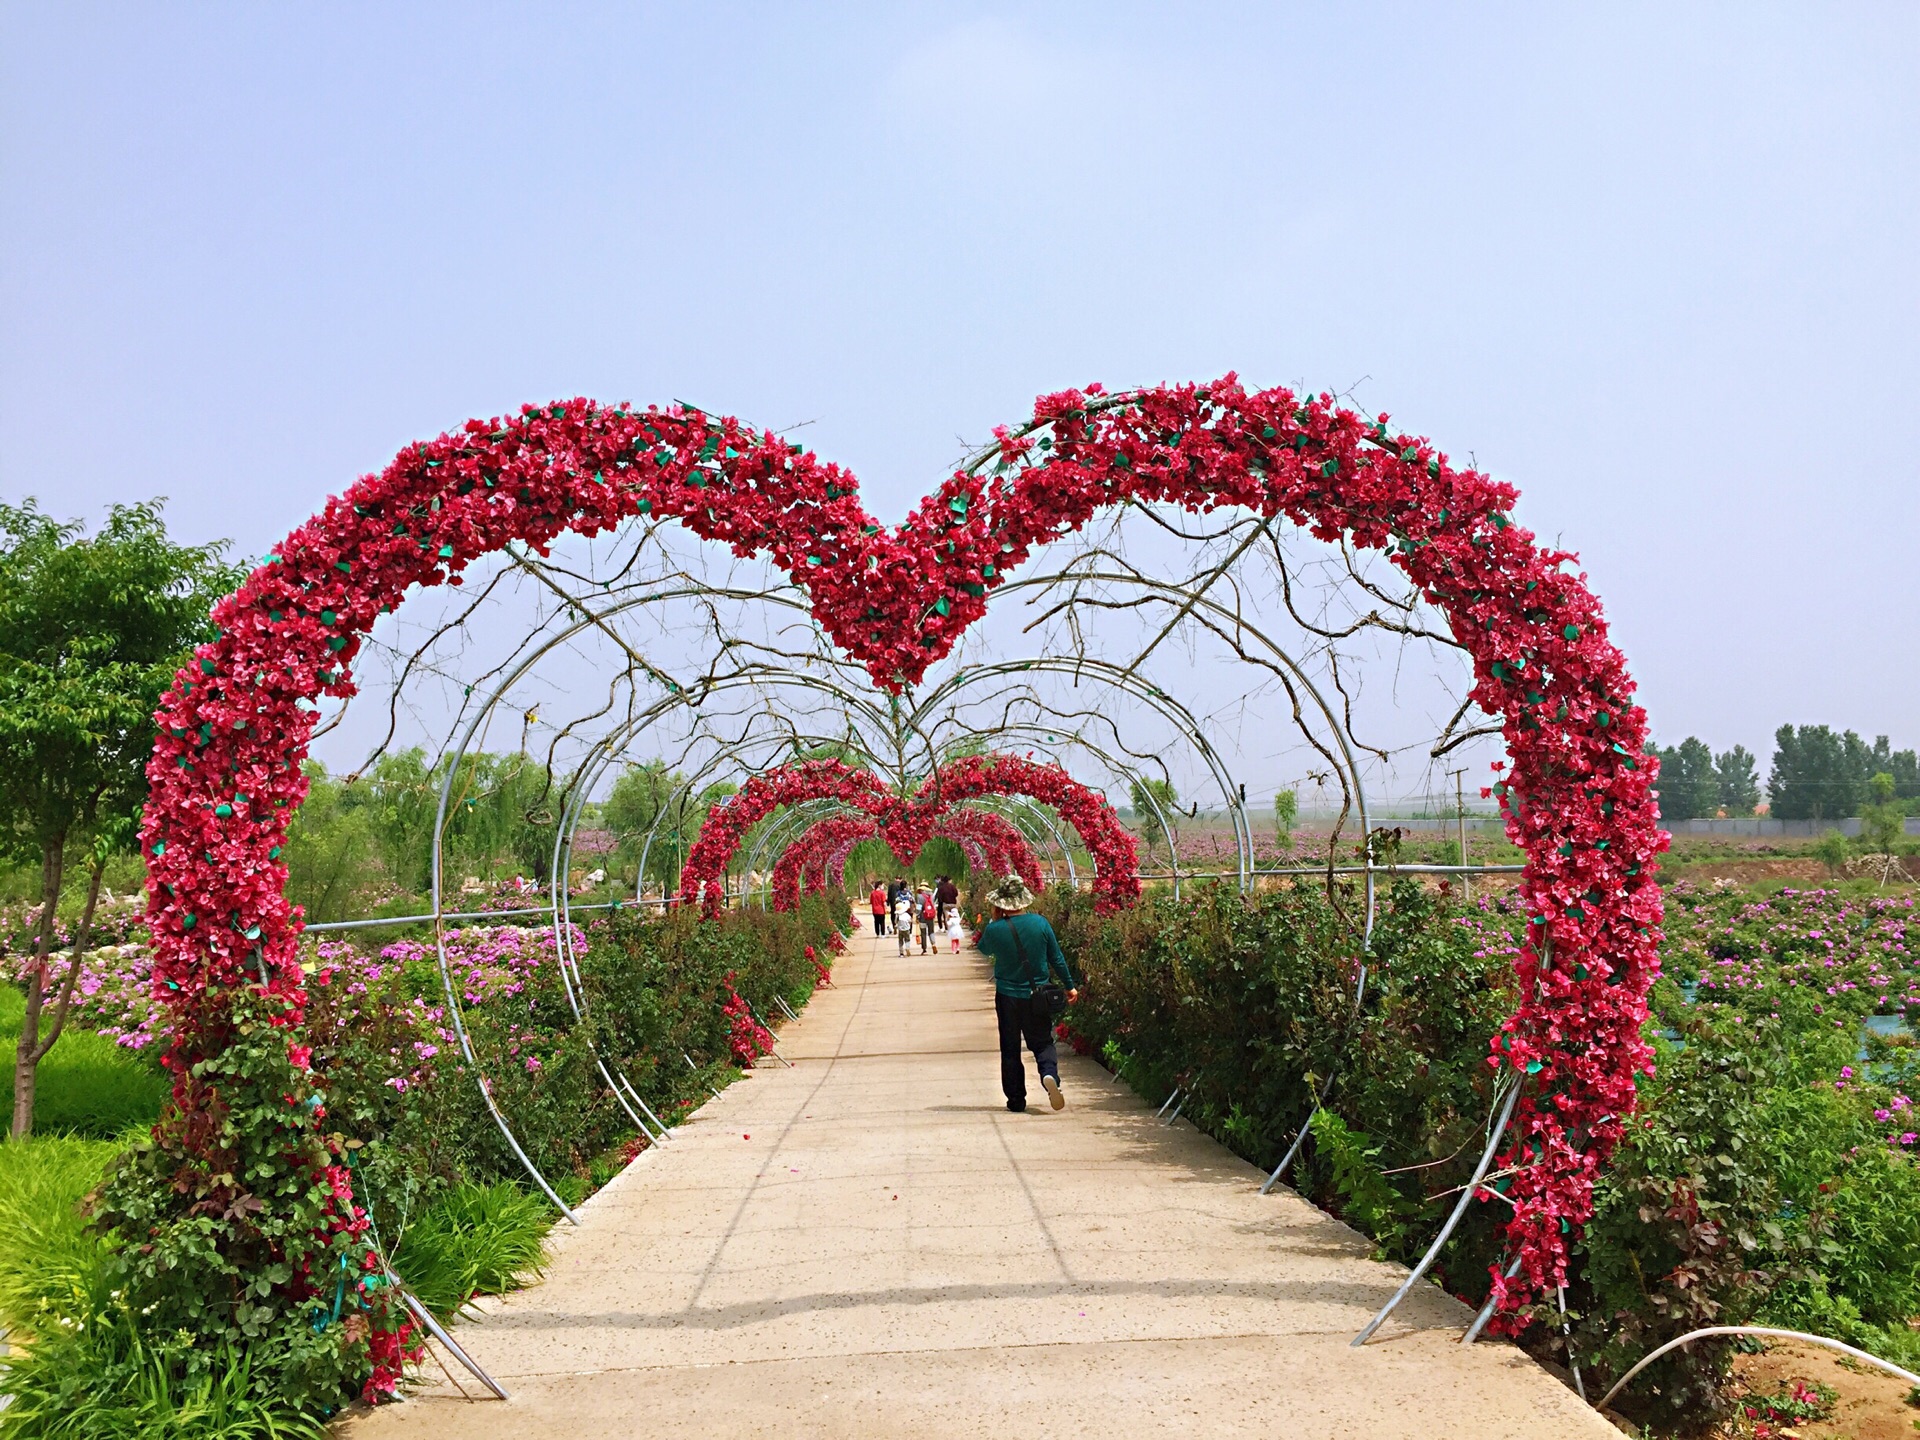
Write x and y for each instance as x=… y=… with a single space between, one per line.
x=85 y=1370
x=1367 y=1199
x=473 y=1240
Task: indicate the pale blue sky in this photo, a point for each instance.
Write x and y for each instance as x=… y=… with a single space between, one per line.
x=1659 y=266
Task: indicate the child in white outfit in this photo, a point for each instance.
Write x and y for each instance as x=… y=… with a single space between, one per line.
x=953 y=927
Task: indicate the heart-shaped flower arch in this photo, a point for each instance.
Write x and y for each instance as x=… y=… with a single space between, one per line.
x=907 y=823
x=226 y=773
x=818 y=856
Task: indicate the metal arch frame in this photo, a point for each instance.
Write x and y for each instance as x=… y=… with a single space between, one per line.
x=1280 y=656
x=560 y=913
x=1194 y=600
x=758 y=675
x=603 y=753
x=971 y=846
x=788 y=826
x=601 y=756
x=1120 y=769
x=1131 y=684
x=1028 y=818
x=610 y=746
x=1122 y=680
x=811 y=809
x=912 y=724
x=857 y=702
x=1197 y=601
x=845 y=851
x=606 y=750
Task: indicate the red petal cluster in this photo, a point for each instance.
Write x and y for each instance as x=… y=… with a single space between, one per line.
x=818 y=857
x=747 y=1038
x=907 y=823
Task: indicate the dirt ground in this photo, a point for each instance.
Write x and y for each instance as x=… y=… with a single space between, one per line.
x=1801 y=872
x=1872 y=1405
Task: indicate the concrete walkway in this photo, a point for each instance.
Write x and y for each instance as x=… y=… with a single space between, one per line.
x=869 y=1244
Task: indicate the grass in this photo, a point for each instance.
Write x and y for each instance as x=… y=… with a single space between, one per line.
x=474 y=1240
x=49 y=1265
x=80 y=1369
x=105 y=1383
x=87 y=1085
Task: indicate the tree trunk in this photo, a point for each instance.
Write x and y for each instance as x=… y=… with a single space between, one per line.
x=81 y=937
x=26 y=1058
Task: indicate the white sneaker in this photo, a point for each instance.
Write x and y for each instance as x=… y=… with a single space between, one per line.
x=1054 y=1097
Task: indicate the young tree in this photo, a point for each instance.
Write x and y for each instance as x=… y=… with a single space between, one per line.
x=1834 y=851
x=650 y=798
x=1738 y=779
x=1883 y=822
x=92 y=629
x=1689 y=788
x=1286 y=810
x=1144 y=794
x=1816 y=774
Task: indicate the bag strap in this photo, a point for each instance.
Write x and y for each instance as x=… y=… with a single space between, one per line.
x=1020 y=949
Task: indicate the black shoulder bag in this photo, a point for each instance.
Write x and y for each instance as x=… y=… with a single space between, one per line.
x=1046 y=992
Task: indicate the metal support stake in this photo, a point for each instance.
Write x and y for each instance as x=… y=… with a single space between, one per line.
x=647 y=1110
x=1168 y=1101
x=432 y=1327
x=1293 y=1149
x=1486 y=1310
x=775 y=1049
x=1446 y=1231
x=1566 y=1330
x=711 y=1090
x=1460 y=819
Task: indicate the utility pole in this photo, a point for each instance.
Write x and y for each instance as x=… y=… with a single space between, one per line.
x=1460 y=823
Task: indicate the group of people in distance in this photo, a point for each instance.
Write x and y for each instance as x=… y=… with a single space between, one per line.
x=924 y=912
x=1027 y=1000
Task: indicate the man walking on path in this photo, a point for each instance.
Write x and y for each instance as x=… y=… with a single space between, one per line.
x=947 y=896
x=1025 y=954
x=878 y=900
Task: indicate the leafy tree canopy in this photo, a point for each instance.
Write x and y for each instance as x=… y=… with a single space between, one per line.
x=1144 y=795
x=92 y=629
x=1819 y=775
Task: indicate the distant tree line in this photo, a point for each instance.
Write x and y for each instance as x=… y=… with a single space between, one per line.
x=1816 y=774
x=363 y=844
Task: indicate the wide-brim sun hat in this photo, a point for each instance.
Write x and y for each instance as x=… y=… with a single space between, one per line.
x=1010 y=894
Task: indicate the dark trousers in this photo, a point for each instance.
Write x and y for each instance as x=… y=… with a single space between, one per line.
x=879 y=922
x=1030 y=1021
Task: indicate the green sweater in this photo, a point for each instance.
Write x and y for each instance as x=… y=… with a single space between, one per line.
x=1011 y=975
